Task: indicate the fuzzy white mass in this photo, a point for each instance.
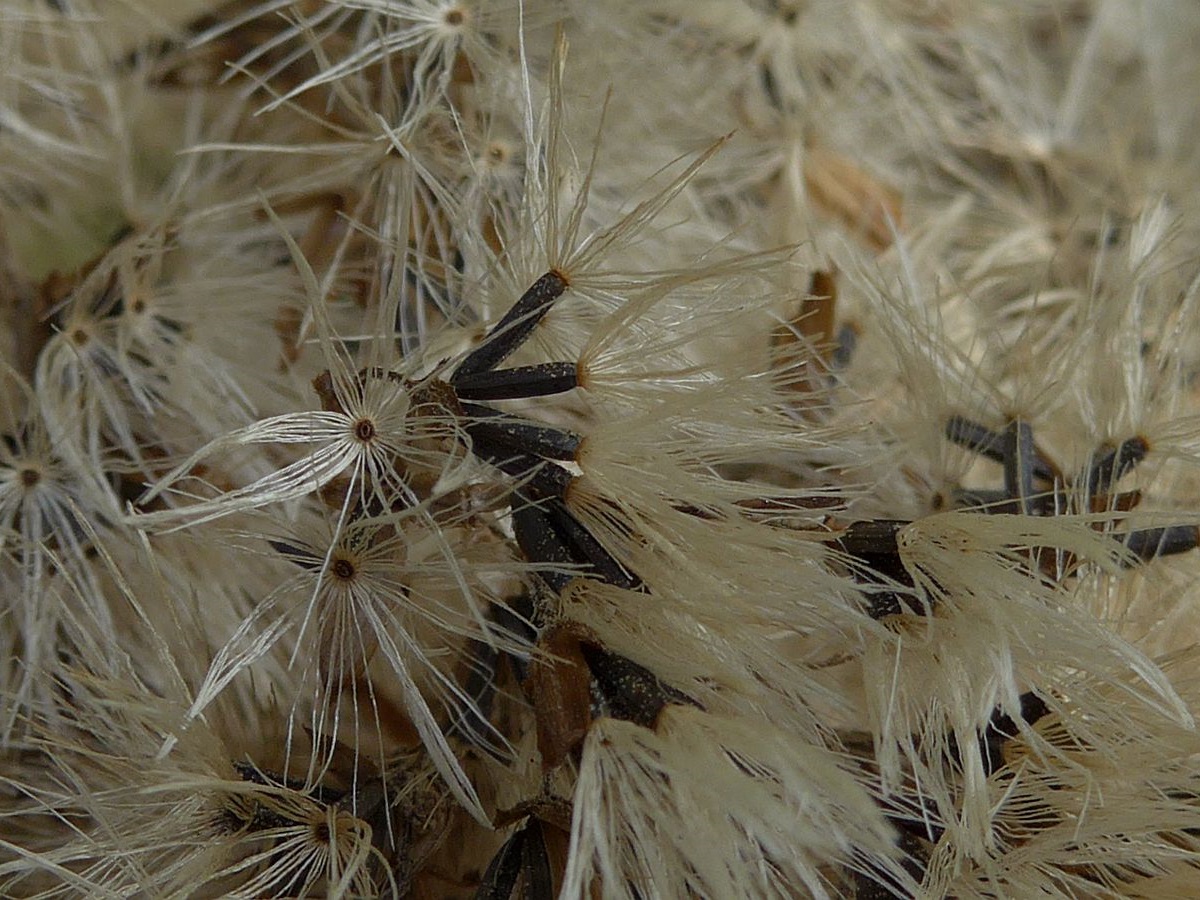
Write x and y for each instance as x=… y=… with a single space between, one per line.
x=617 y=449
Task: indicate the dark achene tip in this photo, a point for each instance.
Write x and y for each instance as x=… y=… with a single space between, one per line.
x=871 y=537
x=542 y=543
x=631 y=691
x=495 y=430
x=1110 y=466
x=523 y=858
x=305 y=559
x=1150 y=543
x=548 y=533
x=1002 y=728
x=502 y=872
x=996 y=446
x=874 y=544
x=542 y=380
x=515 y=327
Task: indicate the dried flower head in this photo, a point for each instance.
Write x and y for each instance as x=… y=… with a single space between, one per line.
x=495 y=449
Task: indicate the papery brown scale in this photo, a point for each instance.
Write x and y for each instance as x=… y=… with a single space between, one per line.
x=560 y=690
x=843 y=190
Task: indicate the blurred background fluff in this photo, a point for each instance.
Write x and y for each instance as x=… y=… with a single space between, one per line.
x=499 y=449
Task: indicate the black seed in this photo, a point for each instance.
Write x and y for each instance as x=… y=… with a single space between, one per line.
x=502 y=872
x=843 y=350
x=512 y=330
x=1018 y=463
x=1001 y=729
x=1150 y=543
x=293 y=554
x=873 y=544
x=497 y=430
x=483 y=662
x=607 y=568
x=535 y=864
x=872 y=537
x=514 y=384
x=1044 y=503
x=632 y=692
x=541 y=542
x=1111 y=465
x=539 y=477
x=992 y=445
x=547 y=532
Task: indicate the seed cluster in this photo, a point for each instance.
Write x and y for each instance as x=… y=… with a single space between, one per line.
x=598 y=449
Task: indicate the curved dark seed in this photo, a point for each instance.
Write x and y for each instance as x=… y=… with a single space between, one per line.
x=541 y=380
x=496 y=429
x=632 y=692
x=512 y=331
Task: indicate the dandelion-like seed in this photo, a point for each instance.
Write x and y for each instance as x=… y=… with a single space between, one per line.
x=436 y=464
